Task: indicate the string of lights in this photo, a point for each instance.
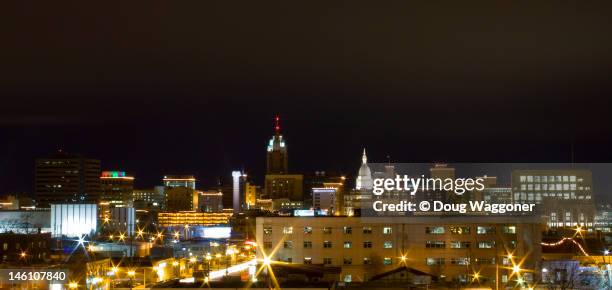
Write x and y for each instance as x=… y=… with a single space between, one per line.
x=560 y=242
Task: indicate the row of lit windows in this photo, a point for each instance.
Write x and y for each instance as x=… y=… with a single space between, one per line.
x=551 y=178
x=455 y=230
x=539 y=196
x=553 y=186
x=389 y=244
x=462 y=261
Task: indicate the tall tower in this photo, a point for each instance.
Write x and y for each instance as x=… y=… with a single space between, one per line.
x=364 y=177
x=276 y=160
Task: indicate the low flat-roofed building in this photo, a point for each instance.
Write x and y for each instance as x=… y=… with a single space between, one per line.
x=450 y=248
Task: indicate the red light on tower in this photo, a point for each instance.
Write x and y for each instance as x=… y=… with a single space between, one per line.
x=277 y=124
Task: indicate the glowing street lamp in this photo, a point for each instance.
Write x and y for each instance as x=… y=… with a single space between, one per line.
x=266 y=261
x=516 y=269
x=131 y=273
x=23 y=254
x=73 y=285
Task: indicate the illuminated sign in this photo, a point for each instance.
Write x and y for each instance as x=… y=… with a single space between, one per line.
x=217 y=232
x=303 y=212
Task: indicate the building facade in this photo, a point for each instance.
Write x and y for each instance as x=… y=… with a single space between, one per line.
x=64 y=178
x=450 y=248
x=565 y=197
x=117 y=188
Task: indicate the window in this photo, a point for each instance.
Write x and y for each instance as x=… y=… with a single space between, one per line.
x=509 y=229
x=307 y=245
x=287 y=230
x=486 y=244
x=435 y=261
x=307 y=230
x=327 y=244
x=288 y=244
x=459 y=245
x=307 y=260
x=388 y=245
x=460 y=261
x=459 y=230
x=485 y=261
x=387 y=230
x=327 y=230
x=267 y=245
x=435 y=244
x=267 y=230
x=367 y=261
x=367 y=244
x=327 y=261
x=5 y=246
x=485 y=230
x=348 y=245
x=387 y=261
x=348 y=278
x=347 y=230
x=347 y=261
x=367 y=230
x=434 y=230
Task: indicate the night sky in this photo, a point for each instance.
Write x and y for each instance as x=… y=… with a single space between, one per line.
x=163 y=87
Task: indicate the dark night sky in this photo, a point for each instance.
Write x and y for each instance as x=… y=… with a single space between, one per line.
x=163 y=87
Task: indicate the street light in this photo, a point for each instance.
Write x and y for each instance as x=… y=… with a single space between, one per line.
x=516 y=269
x=73 y=285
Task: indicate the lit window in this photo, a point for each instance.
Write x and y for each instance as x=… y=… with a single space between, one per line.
x=485 y=230
x=287 y=230
x=267 y=230
x=367 y=230
x=327 y=244
x=435 y=244
x=434 y=261
x=387 y=230
x=434 y=230
x=307 y=260
x=388 y=245
x=367 y=261
x=509 y=229
x=348 y=230
x=348 y=245
x=459 y=230
x=387 y=261
x=308 y=230
x=486 y=244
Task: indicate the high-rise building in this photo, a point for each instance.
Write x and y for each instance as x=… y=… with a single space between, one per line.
x=117 y=188
x=67 y=178
x=565 y=196
x=153 y=198
x=277 y=159
x=188 y=181
x=238 y=194
x=288 y=186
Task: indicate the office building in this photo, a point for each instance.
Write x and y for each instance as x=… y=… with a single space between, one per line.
x=117 y=188
x=66 y=178
x=187 y=181
x=289 y=186
x=153 y=198
x=452 y=249
x=276 y=158
x=181 y=198
x=238 y=191
x=324 y=199
x=564 y=196
x=24 y=248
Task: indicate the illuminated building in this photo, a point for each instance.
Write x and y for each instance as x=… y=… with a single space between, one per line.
x=123 y=219
x=192 y=218
x=565 y=196
x=116 y=188
x=73 y=220
x=276 y=157
x=181 y=198
x=251 y=194
x=149 y=198
x=210 y=201
x=9 y=202
x=188 y=181
x=65 y=178
x=283 y=204
x=238 y=194
x=364 y=177
x=448 y=248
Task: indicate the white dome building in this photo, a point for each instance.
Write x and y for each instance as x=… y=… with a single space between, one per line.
x=364 y=178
